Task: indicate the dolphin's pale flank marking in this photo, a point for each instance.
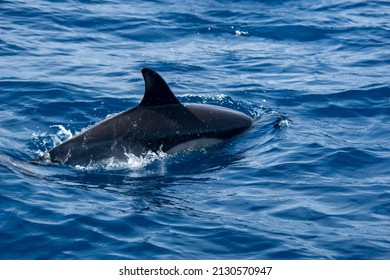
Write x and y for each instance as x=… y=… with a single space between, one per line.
x=159 y=123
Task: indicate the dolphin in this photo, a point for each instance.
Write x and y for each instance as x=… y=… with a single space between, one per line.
x=158 y=123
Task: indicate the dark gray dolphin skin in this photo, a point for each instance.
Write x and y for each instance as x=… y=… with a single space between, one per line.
x=159 y=123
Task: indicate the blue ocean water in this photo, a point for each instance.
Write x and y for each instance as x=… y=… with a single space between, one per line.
x=310 y=180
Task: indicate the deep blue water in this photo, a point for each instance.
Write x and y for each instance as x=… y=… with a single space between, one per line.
x=310 y=180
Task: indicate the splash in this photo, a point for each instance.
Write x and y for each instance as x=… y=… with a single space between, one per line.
x=62 y=135
x=131 y=162
x=44 y=141
x=282 y=122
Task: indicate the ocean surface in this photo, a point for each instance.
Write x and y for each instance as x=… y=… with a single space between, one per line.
x=309 y=180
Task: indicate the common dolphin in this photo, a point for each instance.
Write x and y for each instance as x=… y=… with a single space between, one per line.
x=158 y=123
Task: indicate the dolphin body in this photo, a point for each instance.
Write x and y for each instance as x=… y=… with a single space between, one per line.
x=159 y=123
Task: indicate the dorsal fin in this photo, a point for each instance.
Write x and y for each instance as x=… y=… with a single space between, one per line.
x=157 y=92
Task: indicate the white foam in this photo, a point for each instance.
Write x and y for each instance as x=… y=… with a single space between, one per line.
x=131 y=162
x=62 y=135
x=45 y=141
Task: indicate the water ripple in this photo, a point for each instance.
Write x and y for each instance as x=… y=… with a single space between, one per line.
x=309 y=180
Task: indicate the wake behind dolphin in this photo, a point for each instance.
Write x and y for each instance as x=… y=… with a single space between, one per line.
x=158 y=123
